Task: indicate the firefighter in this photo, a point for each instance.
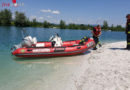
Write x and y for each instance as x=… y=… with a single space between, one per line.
x=128 y=31
x=96 y=34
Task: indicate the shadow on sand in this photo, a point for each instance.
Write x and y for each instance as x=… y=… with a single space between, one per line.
x=118 y=48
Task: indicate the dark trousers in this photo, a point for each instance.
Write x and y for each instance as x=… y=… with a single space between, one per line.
x=96 y=39
x=128 y=41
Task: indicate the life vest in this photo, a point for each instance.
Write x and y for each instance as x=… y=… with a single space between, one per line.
x=14 y=1
x=96 y=31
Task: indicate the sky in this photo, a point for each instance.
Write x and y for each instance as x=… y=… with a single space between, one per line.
x=73 y=11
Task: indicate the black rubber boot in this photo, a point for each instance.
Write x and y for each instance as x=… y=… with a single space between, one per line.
x=128 y=48
x=100 y=45
x=94 y=48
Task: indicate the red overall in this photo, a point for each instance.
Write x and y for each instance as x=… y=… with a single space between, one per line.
x=14 y=1
x=96 y=34
x=96 y=31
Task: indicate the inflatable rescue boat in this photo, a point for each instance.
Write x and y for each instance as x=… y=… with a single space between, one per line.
x=55 y=47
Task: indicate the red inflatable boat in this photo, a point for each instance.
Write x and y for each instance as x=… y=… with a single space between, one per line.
x=45 y=49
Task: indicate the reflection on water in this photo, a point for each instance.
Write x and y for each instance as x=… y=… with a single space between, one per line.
x=48 y=60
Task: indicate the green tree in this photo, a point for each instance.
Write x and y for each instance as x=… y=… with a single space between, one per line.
x=62 y=24
x=105 y=25
x=112 y=27
x=73 y=26
x=119 y=28
x=88 y=27
x=34 y=22
x=82 y=26
x=28 y=23
x=20 y=19
x=46 y=24
x=5 y=17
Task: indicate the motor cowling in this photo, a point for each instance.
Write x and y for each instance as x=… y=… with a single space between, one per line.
x=28 y=41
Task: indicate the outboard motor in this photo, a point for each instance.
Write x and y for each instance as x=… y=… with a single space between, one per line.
x=28 y=41
x=56 y=41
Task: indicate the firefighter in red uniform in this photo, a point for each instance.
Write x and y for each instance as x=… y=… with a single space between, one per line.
x=128 y=31
x=96 y=33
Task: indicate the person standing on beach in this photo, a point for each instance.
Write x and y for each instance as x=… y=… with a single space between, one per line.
x=128 y=31
x=96 y=34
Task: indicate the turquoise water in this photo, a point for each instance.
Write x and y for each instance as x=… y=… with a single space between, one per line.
x=41 y=73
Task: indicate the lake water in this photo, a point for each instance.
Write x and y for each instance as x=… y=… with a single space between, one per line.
x=42 y=73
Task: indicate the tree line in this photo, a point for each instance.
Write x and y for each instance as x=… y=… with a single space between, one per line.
x=21 y=20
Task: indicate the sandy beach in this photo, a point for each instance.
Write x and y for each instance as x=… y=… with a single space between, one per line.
x=107 y=68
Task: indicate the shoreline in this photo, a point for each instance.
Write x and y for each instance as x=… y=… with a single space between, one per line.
x=107 y=68
x=66 y=28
